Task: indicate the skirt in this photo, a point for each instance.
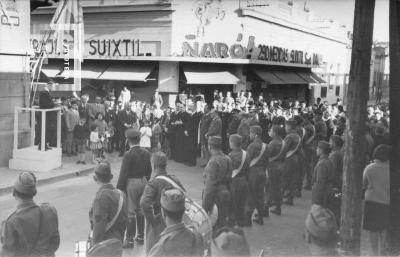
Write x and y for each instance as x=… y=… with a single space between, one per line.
x=376 y=216
x=96 y=145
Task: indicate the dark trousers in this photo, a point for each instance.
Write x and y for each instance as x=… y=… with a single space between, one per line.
x=290 y=175
x=223 y=202
x=308 y=164
x=300 y=172
x=257 y=181
x=275 y=185
x=239 y=192
x=122 y=143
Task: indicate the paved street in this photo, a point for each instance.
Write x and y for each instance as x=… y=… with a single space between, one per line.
x=72 y=198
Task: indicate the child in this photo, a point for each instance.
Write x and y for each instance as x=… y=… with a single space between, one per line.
x=81 y=135
x=95 y=143
x=110 y=137
x=146 y=134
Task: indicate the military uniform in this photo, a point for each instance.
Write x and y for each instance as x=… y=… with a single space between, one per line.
x=151 y=206
x=257 y=177
x=217 y=179
x=323 y=179
x=103 y=210
x=292 y=162
x=239 y=186
x=21 y=235
x=309 y=152
x=275 y=171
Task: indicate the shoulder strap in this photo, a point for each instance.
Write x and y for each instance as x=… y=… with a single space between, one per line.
x=120 y=203
x=290 y=153
x=312 y=136
x=236 y=171
x=255 y=160
x=171 y=181
x=280 y=152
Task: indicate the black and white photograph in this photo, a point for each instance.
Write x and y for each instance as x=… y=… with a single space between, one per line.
x=199 y=128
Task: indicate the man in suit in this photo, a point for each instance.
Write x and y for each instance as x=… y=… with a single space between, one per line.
x=71 y=120
x=45 y=102
x=126 y=120
x=31 y=230
x=94 y=108
x=133 y=177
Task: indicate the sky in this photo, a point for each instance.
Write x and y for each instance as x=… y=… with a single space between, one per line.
x=343 y=11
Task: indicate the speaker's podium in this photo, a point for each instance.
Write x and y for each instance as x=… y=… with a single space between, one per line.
x=33 y=158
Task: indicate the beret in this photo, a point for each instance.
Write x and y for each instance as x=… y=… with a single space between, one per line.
x=324 y=146
x=26 y=183
x=256 y=130
x=173 y=200
x=236 y=139
x=132 y=133
x=103 y=169
x=215 y=140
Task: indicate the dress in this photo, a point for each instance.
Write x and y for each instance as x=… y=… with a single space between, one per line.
x=95 y=142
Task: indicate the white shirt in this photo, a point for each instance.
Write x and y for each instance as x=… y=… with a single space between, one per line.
x=145 y=137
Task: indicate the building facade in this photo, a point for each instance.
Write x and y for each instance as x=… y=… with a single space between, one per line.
x=274 y=47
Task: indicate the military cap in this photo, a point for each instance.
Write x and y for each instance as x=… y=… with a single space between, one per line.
x=132 y=133
x=173 y=200
x=215 y=140
x=291 y=123
x=324 y=146
x=26 y=183
x=230 y=242
x=256 y=130
x=103 y=169
x=236 y=139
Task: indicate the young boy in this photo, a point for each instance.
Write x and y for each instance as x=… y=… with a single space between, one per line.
x=81 y=135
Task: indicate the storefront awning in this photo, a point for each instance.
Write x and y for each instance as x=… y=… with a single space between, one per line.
x=50 y=71
x=311 y=77
x=87 y=72
x=208 y=77
x=127 y=72
x=290 y=77
x=268 y=77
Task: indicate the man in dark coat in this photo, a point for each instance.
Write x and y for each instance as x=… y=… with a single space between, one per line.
x=191 y=126
x=134 y=174
x=258 y=155
x=323 y=177
x=31 y=230
x=126 y=119
x=105 y=207
x=46 y=102
x=214 y=128
x=217 y=180
x=308 y=150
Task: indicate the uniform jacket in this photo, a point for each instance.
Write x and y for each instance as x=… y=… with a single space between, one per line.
x=20 y=231
x=253 y=151
x=320 y=130
x=337 y=160
x=233 y=124
x=236 y=157
x=217 y=177
x=103 y=210
x=204 y=124
x=322 y=180
x=71 y=119
x=45 y=101
x=215 y=127
x=275 y=149
x=178 y=240
x=292 y=140
x=135 y=164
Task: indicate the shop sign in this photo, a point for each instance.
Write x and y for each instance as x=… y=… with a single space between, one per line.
x=251 y=51
x=113 y=48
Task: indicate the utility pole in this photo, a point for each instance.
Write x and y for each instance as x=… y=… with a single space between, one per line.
x=394 y=105
x=355 y=142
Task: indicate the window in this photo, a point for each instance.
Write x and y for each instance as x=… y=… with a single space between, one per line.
x=337 y=93
x=324 y=91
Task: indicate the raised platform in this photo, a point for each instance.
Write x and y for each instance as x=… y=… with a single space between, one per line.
x=31 y=159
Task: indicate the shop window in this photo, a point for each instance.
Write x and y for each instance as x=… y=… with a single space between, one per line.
x=324 y=91
x=337 y=92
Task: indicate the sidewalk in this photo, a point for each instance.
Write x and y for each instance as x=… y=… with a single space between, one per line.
x=68 y=169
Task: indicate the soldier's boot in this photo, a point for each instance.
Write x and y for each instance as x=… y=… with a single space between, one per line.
x=140 y=229
x=247 y=219
x=130 y=234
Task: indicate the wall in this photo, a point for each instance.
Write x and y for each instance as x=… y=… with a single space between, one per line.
x=14 y=75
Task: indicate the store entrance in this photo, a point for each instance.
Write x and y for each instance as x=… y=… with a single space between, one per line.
x=208 y=90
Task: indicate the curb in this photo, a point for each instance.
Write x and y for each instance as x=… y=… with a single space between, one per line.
x=50 y=180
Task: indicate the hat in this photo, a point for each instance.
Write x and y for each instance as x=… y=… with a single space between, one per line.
x=236 y=139
x=324 y=146
x=321 y=223
x=103 y=169
x=159 y=159
x=132 y=133
x=26 y=183
x=215 y=140
x=230 y=242
x=173 y=200
x=256 y=130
